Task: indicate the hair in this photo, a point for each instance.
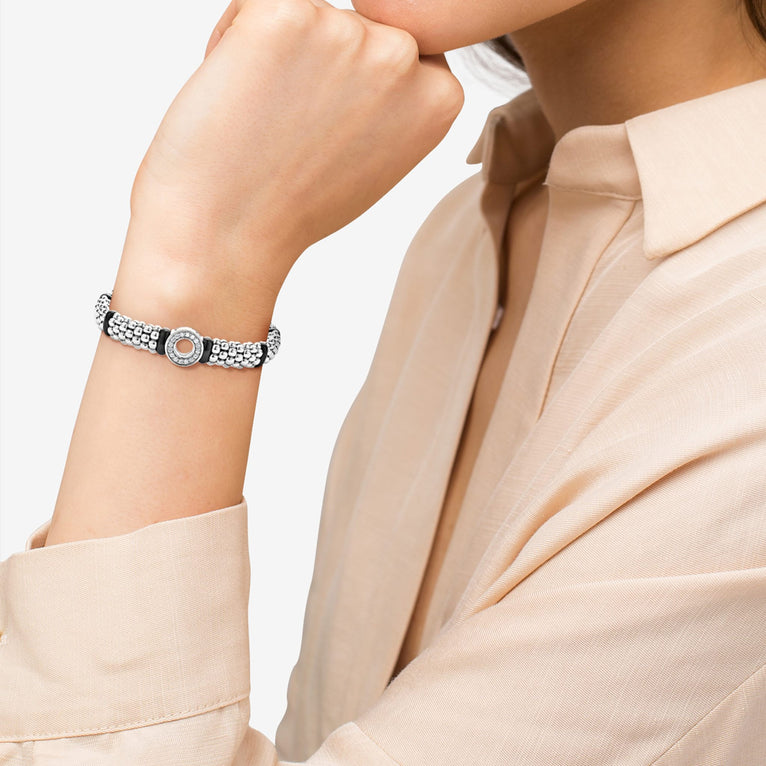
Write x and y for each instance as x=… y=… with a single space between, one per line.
x=756 y=11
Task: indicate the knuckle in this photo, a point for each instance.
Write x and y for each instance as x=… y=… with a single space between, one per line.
x=346 y=29
x=455 y=97
x=284 y=17
x=399 y=50
x=447 y=97
x=296 y=15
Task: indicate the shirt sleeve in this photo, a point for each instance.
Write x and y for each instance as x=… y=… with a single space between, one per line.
x=134 y=648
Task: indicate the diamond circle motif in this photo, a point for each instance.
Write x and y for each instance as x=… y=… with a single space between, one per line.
x=190 y=357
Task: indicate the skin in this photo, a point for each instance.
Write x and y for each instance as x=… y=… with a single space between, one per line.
x=667 y=50
x=442 y=25
x=597 y=62
x=233 y=189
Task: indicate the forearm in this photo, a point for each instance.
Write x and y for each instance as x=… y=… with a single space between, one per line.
x=153 y=441
x=232 y=190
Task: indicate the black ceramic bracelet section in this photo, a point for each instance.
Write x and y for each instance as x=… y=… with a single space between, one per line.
x=208 y=348
x=164 y=332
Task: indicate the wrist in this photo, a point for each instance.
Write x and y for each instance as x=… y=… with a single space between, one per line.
x=211 y=237
x=192 y=280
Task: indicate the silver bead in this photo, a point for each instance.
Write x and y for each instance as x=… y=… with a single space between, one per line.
x=145 y=336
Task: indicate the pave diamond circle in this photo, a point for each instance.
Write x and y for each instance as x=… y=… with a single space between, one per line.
x=190 y=357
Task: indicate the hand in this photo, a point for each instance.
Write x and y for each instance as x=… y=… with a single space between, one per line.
x=300 y=117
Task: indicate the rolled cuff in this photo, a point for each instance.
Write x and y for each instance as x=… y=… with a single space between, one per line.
x=120 y=632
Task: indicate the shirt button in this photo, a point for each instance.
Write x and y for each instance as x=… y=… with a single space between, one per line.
x=498 y=317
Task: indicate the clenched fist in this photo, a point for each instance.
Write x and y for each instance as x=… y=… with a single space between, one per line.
x=300 y=117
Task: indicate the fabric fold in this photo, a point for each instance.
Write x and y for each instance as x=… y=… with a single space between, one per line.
x=113 y=633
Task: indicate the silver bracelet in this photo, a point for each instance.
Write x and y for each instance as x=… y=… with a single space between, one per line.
x=163 y=340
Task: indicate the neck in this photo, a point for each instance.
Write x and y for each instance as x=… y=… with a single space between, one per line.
x=603 y=62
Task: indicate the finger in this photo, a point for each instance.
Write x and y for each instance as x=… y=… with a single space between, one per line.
x=436 y=69
x=325 y=4
x=234 y=7
x=355 y=14
x=441 y=84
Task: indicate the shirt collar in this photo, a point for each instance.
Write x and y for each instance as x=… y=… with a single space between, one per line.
x=696 y=164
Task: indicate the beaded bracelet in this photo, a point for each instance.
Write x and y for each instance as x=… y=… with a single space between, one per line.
x=162 y=340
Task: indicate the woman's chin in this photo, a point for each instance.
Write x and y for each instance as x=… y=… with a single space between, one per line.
x=420 y=19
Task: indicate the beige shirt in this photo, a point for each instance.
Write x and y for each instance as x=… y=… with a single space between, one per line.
x=588 y=588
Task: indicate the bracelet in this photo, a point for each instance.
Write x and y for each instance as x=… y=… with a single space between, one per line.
x=162 y=340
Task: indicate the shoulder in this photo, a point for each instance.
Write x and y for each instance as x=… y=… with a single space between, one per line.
x=705 y=301
x=735 y=251
x=455 y=223
x=460 y=202
x=708 y=303
x=678 y=374
x=660 y=431
x=448 y=238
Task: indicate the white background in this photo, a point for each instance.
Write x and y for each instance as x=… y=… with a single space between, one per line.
x=84 y=87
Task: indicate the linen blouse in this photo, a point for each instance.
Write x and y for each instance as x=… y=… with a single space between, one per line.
x=599 y=594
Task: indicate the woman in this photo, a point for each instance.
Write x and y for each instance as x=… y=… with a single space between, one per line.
x=542 y=537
